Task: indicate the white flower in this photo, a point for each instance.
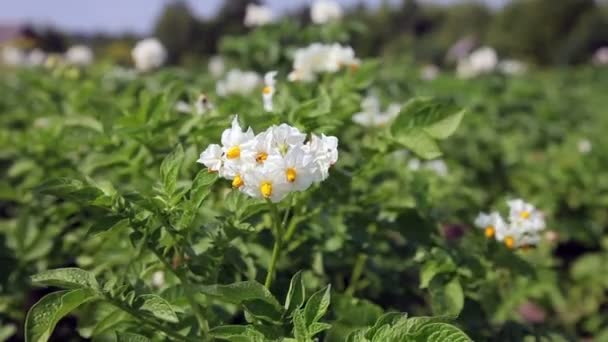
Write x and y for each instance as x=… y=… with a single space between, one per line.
x=80 y=55
x=268 y=91
x=482 y=60
x=183 y=107
x=238 y=82
x=320 y=58
x=323 y=11
x=371 y=116
x=414 y=164
x=492 y=224
x=36 y=57
x=212 y=157
x=512 y=67
x=525 y=215
x=584 y=146
x=438 y=166
x=203 y=105
x=216 y=66
x=13 y=56
x=600 y=57
x=429 y=72
x=149 y=54
x=257 y=15
x=273 y=163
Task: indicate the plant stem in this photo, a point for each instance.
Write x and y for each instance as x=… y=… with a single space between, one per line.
x=357 y=270
x=278 y=244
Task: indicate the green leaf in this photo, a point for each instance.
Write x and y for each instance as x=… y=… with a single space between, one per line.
x=317 y=327
x=447 y=298
x=169 y=169
x=438 y=332
x=71 y=189
x=388 y=318
x=158 y=307
x=227 y=330
x=263 y=310
x=67 y=278
x=201 y=187
x=106 y=223
x=112 y=319
x=44 y=315
x=317 y=305
x=239 y=292
x=424 y=120
x=130 y=337
x=300 y=331
x=296 y=293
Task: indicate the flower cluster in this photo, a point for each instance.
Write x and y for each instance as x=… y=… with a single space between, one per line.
x=149 y=54
x=273 y=163
x=319 y=58
x=522 y=229
x=80 y=55
x=323 y=11
x=372 y=116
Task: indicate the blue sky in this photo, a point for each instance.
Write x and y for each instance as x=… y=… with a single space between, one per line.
x=126 y=15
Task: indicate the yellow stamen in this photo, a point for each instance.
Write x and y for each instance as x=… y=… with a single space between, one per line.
x=266 y=189
x=233 y=152
x=524 y=214
x=261 y=157
x=237 y=181
x=267 y=90
x=490 y=231
x=510 y=242
x=291 y=175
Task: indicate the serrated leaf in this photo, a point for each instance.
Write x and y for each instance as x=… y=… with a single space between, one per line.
x=388 y=318
x=71 y=189
x=130 y=337
x=44 y=315
x=439 y=332
x=296 y=294
x=66 y=278
x=169 y=169
x=239 y=292
x=317 y=305
x=158 y=307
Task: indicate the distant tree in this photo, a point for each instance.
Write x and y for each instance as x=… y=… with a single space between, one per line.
x=176 y=28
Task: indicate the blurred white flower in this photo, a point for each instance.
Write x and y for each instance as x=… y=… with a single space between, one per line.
x=36 y=57
x=584 y=146
x=158 y=279
x=80 y=55
x=323 y=11
x=492 y=224
x=429 y=72
x=273 y=163
x=216 y=66
x=201 y=106
x=320 y=58
x=512 y=67
x=238 y=82
x=268 y=90
x=149 y=54
x=257 y=15
x=438 y=166
x=481 y=61
x=600 y=57
x=13 y=56
x=372 y=116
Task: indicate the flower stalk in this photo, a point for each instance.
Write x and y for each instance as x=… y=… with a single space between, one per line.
x=278 y=243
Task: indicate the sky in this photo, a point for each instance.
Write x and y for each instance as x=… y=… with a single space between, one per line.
x=136 y=16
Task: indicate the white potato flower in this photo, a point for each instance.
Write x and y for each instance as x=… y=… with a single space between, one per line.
x=429 y=72
x=216 y=66
x=273 y=163
x=512 y=67
x=323 y=11
x=238 y=82
x=268 y=90
x=522 y=228
x=80 y=55
x=201 y=106
x=600 y=57
x=584 y=146
x=321 y=58
x=149 y=54
x=258 y=15
x=372 y=116
x=158 y=279
x=480 y=61
x=36 y=57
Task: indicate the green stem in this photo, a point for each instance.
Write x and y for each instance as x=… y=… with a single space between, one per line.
x=357 y=270
x=278 y=244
